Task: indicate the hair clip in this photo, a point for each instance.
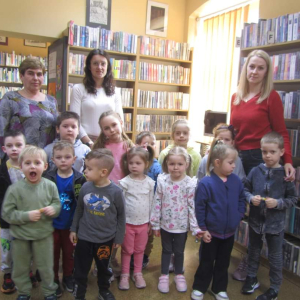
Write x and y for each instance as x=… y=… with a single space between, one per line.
x=230 y=128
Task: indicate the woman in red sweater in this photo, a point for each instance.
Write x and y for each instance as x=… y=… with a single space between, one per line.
x=256 y=109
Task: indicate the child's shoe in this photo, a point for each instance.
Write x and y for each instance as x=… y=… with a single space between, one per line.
x=68 y=284
x=250 y=285
x=221 y=296
x=196 y=295
x=34 y=281
x=241 y=272
x=180 y=283
x=124 y=282
x=23 y=297
x=270 y=294
x=163 y=284
x=139 y=280
x=106 y=295
x=8 y=285
x=51 y=297
x=58 y=290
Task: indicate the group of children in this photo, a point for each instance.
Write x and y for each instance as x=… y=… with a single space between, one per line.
x=162 y=199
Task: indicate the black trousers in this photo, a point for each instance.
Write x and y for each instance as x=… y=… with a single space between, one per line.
x=85 y=252
x=214 y=260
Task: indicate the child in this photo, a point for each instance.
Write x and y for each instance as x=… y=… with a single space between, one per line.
x=99 y=223
x=269 y=195
x=29 y=207
x=144 y=139
x=68 y=182
x=224 y=133
x=173 y=213
x=67 y=126
x=181 y=135
x=138 y=190
x=220 y=205
x=10 y=172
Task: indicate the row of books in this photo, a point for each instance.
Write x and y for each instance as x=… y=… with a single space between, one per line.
x=13 y=75
x=127 y=121
x=156 y=123
x=283 y=28
x=161 y=145
x=123 y=69
x=163 y=99
x=13 y=59
x=286 y=66
x=292 y=220
x=164 y=73
x=291 y=104
x=5 y=89
x=294 y=141
x=126 y=96
x=164 y=48
x=76 y=63
x=89 y=37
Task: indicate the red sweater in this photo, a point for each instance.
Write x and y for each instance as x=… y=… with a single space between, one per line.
x=252 y=121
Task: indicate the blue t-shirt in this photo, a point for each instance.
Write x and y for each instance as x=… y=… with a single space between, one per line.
x=154 y=171
x=67 y=200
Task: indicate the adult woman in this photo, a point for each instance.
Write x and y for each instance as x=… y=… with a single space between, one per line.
x=256 y=109
x=95 y=95
x=28 y=110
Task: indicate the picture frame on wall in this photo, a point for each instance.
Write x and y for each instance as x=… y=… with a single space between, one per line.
x=98 y=13
x=157 y=18
x=3 y=40
x=33 y=43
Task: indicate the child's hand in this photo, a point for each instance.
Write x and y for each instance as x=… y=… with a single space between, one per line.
x=200 y=234
x=207 y=237
x=49 y=211
x=156 y=233
x=116 y=245
x=271 y=202
x=256 y=200
x=34 y=215
x=73 y=238
x=149 y=229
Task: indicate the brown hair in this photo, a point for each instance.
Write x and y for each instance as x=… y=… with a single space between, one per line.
x=141 y=135
x=31 y=63
x=273 y=137
x=221 y=127
x=62 y=144
x=13 y=133
x=67 y=115
x=104 y=156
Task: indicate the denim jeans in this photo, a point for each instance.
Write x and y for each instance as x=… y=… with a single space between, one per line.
x=250 y=159
x=274 y=242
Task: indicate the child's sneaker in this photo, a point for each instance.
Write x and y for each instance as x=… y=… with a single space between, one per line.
x=106 y=295
x=139 y=280
x=51 y=297
x=196 y=295
x=241 y=272
x=124 y=282
x=250 y=285
x=58 y=290
x=221 y=296
x=163 y=284
x=180 y=283
x=23 y=297
x=270 y=294
x=34 y=281
x=8 y=285
x=68 y=284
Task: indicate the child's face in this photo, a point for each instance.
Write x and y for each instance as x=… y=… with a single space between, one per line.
x=271 y=154
x=177 y=167
x=64 y=159
x=226 y=137
x=148 y=141
x=227 y=166
x=33 y=167
x=13 y=147
x=68 y=130
x=136 y=165
x=112 y=128
x=181 y=135
x=93 y=171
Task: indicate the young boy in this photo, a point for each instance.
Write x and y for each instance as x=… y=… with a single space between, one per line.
x=269 y=195
x=99 y=223
x=14 y=143
x=29 y=207
x=68 y=182
x=67 y=126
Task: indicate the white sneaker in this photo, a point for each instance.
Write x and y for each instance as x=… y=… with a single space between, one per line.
x=196 y=295
x=221 y=296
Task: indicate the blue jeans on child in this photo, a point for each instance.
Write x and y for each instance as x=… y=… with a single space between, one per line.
x=274 y=242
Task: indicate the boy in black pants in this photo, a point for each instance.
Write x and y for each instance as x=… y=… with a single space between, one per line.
x=99 y=223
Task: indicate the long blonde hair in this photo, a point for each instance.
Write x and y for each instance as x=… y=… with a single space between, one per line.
x=267 y=84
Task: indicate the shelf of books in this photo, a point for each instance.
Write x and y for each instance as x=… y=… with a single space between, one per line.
x=153 y=76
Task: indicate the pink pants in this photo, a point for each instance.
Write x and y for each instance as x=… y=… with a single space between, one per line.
x=135 y=242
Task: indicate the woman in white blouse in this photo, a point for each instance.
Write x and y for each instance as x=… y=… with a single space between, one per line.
x=95 y=95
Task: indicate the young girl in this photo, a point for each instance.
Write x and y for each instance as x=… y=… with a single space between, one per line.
x=181 y=135
x=173 y=213
x=224 y=133
x=138 y=191
x=220 y=205
x=114 y=138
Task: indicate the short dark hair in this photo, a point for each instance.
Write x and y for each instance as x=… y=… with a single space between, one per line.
x=13 y=133
x=62 y=144
x=141 y=135
x=273 y=137
x=105 y=157
x=67 y=115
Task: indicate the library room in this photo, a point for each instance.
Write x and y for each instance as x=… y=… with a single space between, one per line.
x=198 y=99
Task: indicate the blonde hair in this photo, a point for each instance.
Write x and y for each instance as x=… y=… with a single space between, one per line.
x=222 y=127
x=178 y=151
x=267 y=84
x=179 y=122
x=102 y=139
x=63 y=144
x=32 y=151
x=273 y=137
x=219 y=151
